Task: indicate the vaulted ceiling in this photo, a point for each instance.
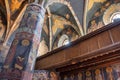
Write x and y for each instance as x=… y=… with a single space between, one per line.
x=78 y=13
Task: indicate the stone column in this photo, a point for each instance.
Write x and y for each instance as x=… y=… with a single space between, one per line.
x=19 y=63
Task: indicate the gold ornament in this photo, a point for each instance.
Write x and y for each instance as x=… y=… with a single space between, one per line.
x=88 y=73
x=109 y=69
x=97 y=71
x=25 y=42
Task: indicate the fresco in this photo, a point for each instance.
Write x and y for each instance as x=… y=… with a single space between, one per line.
x=43 y=47
x=41 y=75
x=97 y=20
x=44 y=42
x=104 y=73
x=44 y=75
x=23 y=51
x=69 y=32
x=15 y=5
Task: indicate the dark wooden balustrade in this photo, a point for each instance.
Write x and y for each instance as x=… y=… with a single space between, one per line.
x=96 y=44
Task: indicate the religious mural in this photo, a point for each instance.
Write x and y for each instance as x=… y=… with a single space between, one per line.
x=15 y=4
x=53 y=76
x=43 y=47
x=68 y=34
x=44 y=42
x=98 y=74
x=105 y=73
x=58 y=23
x=21 y=57
x=31 y=38
x=22 y=49
x=41 y=75
x=98 y=20
x=44 y=75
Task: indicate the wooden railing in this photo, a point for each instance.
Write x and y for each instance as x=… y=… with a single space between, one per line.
x=98 y=43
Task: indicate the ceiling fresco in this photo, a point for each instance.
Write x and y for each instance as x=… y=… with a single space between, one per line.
x=91 y=7
x=103 y=15
x=92 y=2
x=61 y=15
x=15 y=5
x=62 y=10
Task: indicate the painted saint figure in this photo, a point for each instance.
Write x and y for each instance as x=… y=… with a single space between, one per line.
x=88 y=75
x=53 y=76
x=109 y=73
x=79 y=76
x=21 y=57
x=98 y=75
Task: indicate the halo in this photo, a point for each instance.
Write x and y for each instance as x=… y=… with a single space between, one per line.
x=25 y=42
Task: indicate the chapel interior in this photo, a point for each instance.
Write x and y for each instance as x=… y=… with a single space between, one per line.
x=59 y=39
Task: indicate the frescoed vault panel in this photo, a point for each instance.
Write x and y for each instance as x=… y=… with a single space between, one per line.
x=60 y=38
x=92 y=2
x=15 y=7
x=58 y=24
x=92 y=7
x=44 y=42
x=102 y=15
x=63 y=11
x=78 y=8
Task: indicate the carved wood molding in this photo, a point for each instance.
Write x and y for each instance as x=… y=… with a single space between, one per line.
x=70 y=55
x=106 y=60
